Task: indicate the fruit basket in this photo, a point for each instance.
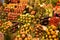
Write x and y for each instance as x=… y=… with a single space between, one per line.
x=30 y=19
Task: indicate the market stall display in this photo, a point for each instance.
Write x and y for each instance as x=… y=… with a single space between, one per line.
x=30 y=19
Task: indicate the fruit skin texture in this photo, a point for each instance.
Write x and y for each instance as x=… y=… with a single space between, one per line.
x=6 y=10
x=12 y=16
x=54 y=21
x=54 y=27
x=33 y=12
x=53 y=32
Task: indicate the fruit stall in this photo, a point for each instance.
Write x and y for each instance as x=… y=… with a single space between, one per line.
x=30 y=20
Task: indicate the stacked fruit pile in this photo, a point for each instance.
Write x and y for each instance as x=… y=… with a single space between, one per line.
x=26 y=18
x=21 y=21
x=52 y=33
x=38 y=30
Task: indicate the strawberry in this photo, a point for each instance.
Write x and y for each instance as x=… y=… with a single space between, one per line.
x=54 y=21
